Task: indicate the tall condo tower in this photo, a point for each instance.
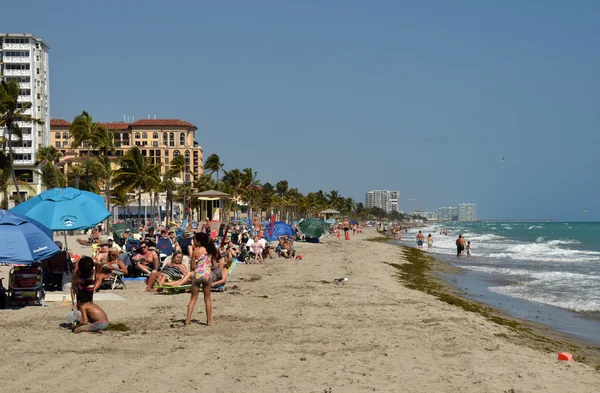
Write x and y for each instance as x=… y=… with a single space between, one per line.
x=24 y=59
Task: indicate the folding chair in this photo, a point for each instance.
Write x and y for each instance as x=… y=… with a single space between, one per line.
x=116 y=281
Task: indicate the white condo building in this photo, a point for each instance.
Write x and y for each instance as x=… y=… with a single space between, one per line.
x=467 y=212
x=384 y=199
x=447 y=213
x=24 y=58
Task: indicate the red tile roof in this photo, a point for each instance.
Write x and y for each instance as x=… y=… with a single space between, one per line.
x=59 y=122
x=115 y=126
x=163 y=123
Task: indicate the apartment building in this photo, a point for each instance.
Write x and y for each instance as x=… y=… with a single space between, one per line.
x=467 y=212
x=383 y=199
x=160 y=140
x=447 y=213
x=24 y=59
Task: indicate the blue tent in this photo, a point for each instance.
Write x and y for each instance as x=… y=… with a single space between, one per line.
x=280 y=229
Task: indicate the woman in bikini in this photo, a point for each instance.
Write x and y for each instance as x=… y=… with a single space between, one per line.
x=204 y=260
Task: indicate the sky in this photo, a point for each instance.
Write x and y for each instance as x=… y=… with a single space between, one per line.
x=424 y=97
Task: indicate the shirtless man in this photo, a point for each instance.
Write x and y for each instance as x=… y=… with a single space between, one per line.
x=146 y=259
x=460 y=246
x=286 y=246
x=346 y=228
x=420 y=238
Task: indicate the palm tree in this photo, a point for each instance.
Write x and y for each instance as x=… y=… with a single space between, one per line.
x=103 y=140
x=233 y=179
x=137 y=173
x=10 y=116
x=120 y=198
x=249 y=188
x=6 y=181
x=168 y=186
x=334 y=199
x=51 y=176
x=281 y=187
x=48 y=154
x=213 y=164
x=83 y=129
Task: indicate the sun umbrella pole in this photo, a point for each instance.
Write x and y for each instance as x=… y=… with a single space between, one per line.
x=66 y=245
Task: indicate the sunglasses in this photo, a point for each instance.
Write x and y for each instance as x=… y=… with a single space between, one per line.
x=142 y=247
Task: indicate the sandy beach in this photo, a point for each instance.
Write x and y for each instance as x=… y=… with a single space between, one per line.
x=285 y=325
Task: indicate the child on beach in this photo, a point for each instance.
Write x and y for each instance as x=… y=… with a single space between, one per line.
x=93 y=318
x=468 y=250
x=430 y=242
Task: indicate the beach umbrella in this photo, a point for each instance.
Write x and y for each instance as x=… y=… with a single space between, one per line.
x=24 y=240
x=280 y=229
x=65 y=209
x=353 y=222
x=313 y=227
x=331 y=221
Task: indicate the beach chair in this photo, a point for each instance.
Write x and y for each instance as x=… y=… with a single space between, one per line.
x=164 y=248
x=221 y=288
x=114 y=282
x=26 y=285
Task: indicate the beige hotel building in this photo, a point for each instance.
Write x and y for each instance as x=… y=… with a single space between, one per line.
x=158 y=139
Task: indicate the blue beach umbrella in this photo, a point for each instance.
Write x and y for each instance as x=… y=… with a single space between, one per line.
x=24 y=240
x=280 y=229
x=353 y=222
x=65 y=209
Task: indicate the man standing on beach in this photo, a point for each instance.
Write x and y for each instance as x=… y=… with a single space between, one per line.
x=420 y=238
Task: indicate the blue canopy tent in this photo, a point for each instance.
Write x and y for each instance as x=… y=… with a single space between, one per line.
x=279 y=229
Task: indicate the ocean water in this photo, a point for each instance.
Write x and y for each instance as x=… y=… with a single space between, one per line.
x=548 y=263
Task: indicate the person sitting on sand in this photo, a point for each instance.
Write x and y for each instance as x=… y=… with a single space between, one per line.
x=257 y=250
x=93 y=318
x=145 y=259
x=173 y=269
x=84 y=279
x=107 y=267
x=286 y=244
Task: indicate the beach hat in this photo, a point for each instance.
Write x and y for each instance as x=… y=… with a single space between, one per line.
x=104 y=244
x=110 y=239
x=245 y=231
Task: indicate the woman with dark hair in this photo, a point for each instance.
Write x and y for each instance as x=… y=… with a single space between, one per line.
x=204 y=260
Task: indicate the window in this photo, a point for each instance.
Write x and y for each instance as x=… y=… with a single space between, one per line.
x=155 y=135
x=144 y=135
x=65 y=143
x=166 y=160
x=171 y=139
x=176 y=153
x=165 y=137
x=37 y=71
x=187 y=157
x=137 y=135
x=58 y=135
x=39 y=96
x=117 y=137
x=166 y=168
x=182 y=139
x=166 y=153
x=37 y=58
x=125 y=139
x=187 y=176
x=195 y=154
x=65 y=136
x=154 y=143
x=158 y=153
x=58 y=144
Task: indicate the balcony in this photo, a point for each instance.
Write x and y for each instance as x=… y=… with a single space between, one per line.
x=25 y=85
x=22 y=150
x=17 y=72
x=28 y=112
x=23 y=162
x=16 y=59
x=24 y=99
x=8 y=46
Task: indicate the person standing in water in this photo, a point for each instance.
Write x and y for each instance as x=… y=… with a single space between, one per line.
x=430 y=242
x=468 y=250
x=420 y=238
x=460 y=246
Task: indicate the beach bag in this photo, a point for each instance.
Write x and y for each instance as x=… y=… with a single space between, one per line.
x=67 y=281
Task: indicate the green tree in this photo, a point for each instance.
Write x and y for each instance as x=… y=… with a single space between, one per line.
x=103 y=140
x=48 y=154
x=82 y=130
x=213 y=164
x=11 y=113
x=137 y=173
x=282 y=187
x=6 y=181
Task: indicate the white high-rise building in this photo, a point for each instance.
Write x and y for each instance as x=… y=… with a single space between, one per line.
x=387 y=200
x=467 y=212
x=447 y=213
x=24 y=58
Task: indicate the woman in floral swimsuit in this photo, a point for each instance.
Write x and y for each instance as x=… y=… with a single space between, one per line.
x=204 y=260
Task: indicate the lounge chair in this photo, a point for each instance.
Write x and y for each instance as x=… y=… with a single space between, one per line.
x=168 y=289
x=114 y=282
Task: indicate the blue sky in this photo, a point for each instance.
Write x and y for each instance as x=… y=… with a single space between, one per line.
x=424 y=97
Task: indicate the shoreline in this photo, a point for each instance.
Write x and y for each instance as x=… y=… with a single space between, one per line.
x=536 y=335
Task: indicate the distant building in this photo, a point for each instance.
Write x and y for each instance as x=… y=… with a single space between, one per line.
x=384 y=199
x=160 y=140
x=467 y=212
x=447 y=213
x=431 y=216
x=24 y=59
